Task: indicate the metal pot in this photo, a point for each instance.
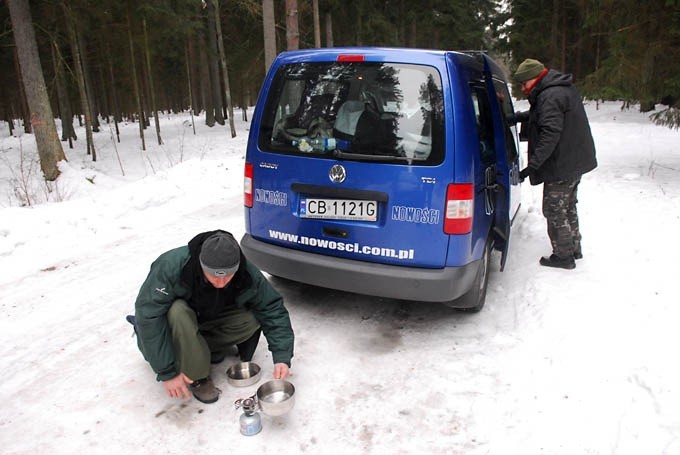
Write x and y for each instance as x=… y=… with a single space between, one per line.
x=243 y=374
x=276 y=397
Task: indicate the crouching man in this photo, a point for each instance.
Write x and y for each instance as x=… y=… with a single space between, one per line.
x=198 y=301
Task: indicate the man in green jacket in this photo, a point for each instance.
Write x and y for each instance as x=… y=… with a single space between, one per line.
x=197 y=302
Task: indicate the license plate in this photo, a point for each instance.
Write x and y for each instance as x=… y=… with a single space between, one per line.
x=339 y=209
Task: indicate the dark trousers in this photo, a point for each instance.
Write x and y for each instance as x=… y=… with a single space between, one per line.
x=195 y=343
x=559 y=209
x=246 y=350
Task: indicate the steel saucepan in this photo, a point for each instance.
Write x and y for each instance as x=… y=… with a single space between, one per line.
x=243 y=374
x=276 y=397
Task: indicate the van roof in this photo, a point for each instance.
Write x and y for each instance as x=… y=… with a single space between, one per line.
x=391 y=54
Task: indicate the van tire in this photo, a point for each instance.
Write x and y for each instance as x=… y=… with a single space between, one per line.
x=473 y=300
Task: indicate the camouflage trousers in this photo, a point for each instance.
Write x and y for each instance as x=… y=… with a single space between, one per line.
x=559 y=209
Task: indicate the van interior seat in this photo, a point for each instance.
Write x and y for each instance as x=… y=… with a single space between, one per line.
x=346 y=121
x=318 y=106
x=376 y=129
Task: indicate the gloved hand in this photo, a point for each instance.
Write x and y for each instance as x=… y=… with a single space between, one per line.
x=524 y=173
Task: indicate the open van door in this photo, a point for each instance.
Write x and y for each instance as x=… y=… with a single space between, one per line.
x=501 y=229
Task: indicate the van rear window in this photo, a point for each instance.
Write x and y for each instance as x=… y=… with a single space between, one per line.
x=391 y=113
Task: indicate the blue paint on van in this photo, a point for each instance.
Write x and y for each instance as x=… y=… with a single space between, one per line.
x=387 y=172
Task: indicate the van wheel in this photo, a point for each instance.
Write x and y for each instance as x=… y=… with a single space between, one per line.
x=473 y=300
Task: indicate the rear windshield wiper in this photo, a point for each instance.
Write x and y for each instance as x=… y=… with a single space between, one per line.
x=364 y=157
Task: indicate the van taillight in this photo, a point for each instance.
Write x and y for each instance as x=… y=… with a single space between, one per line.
x=459 y=208
x=248 y=186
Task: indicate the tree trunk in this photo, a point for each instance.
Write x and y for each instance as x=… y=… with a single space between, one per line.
x=105 y=102
x=80 y=79
x=401 y=28
x=7 y=110
x=317 y=25
x=144 y=92
x=269 y=27
x=581 y=33
x=10 y=122
x=67 y=130
x=135 y=81
x=154 y=108
x=195 y=76
x=117 y=115
x=412 y=39
x=244 y=95
x=360 y=25
x=292 y=28
x=191 y=96
x=206 y=89
x=25 y=111
x=223 y=63
x=329 y=30
x=89 y=86
x=554 y=33
x=213 y=63
x=42 y=120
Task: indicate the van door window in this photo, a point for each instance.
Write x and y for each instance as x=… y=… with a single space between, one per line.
x=503 y=94
x=484 y=121
x=392 y=113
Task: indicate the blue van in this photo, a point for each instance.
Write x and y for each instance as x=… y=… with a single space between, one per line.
x=387 y=172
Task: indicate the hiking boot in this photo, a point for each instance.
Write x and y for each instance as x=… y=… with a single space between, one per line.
x=578 y=255
x=204 y=390
x=556 y=261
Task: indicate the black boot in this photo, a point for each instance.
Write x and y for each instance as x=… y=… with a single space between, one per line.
x=204 y=390
x=556 y=261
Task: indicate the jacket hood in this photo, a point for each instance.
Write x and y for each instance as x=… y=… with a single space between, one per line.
x=192 y=270
x=552 y=78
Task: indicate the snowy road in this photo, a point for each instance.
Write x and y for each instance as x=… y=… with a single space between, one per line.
x=558 y=362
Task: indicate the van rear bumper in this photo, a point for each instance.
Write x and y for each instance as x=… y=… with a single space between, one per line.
x=397 y=282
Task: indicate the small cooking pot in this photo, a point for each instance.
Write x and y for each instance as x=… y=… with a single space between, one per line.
x=243 y=374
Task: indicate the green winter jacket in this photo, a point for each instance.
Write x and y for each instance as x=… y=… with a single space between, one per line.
x=171 y=278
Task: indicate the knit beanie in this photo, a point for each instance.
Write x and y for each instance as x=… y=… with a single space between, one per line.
x=220 y=255
x=528 y=69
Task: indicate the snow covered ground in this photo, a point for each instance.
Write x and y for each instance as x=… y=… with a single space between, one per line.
x=558 y=362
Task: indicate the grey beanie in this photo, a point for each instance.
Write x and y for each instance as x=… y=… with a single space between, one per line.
x=220 y=255
x=528 y=69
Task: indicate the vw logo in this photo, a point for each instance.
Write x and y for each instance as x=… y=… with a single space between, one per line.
x=337 y=174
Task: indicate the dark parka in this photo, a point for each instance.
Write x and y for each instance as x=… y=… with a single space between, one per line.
x=177 y=274
x=561 y=145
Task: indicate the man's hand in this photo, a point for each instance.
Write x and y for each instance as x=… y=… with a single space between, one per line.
x=177 y=386
x=280 y=371
x=524 y=173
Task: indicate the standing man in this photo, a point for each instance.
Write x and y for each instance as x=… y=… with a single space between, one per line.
x=198 y=301
x=561 y=150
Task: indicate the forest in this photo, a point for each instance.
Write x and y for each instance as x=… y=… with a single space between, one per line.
x=104 y=61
